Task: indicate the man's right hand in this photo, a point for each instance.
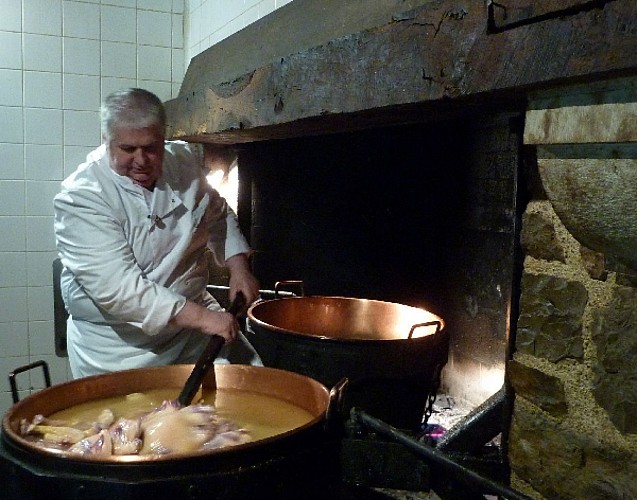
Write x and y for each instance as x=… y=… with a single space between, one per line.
x=209 y=322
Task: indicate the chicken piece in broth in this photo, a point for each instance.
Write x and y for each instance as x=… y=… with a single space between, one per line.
x=97 y=445
x=168 y=429
x=126 y=436
x=173 y=429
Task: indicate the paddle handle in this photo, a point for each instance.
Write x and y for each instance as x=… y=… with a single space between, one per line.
x=208 y=357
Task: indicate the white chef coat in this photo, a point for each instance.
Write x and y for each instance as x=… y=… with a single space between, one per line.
x=132 y=257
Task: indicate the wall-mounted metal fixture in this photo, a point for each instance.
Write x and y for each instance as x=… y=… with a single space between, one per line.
x=510 y=14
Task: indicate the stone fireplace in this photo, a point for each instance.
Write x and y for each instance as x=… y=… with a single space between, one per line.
x=521 y=120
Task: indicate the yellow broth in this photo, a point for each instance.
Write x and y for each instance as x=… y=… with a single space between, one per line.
x=261 y=415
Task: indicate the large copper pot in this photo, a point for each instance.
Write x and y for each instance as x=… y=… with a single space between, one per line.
x=284 y=464
x=299 y=390
x=392 y=354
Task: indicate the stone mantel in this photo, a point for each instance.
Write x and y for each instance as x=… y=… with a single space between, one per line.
x=440 y=57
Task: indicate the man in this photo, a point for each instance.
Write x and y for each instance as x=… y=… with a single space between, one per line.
x=133 y=227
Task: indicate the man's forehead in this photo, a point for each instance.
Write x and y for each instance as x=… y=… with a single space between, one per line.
x=137 y=136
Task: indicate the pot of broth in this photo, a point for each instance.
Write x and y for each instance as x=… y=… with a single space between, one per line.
x=283 y=413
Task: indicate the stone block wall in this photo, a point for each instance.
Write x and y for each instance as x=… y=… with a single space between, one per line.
x=573 y=432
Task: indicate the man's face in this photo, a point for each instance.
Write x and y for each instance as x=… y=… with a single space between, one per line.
x=137 y=153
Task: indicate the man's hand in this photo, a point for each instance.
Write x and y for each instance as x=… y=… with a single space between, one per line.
x=242 y=279
x=221 y=323
x=209 y=322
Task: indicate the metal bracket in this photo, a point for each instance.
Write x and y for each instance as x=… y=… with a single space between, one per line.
x=493 y=28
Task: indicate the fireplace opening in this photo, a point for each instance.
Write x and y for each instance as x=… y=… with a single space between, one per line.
x=423 y=215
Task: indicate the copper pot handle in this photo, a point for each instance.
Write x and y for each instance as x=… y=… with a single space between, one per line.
x=35 y=364
x=298 y=283
x=429 y=323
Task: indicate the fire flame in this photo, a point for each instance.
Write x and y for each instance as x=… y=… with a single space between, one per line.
x=226 y=182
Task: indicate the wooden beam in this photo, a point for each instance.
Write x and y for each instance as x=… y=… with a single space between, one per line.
x=432 y=58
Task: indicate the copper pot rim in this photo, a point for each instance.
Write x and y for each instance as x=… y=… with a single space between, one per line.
x=427 y=315
x=320 y=394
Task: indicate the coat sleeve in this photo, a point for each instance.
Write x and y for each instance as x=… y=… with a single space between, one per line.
x=92 y=246
x=225 y=237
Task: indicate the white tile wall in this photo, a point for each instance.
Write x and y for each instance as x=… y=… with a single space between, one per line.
x=177 y=31
x=39 y=270
x=54 y=71
x=14 y=236
x=81 y=20
x=43 y=161
x=10 y=50
x=14 y=338
x=81 y=56
x=81 y=92
x=11 y=83
x=154 y=63
x=210 y=21
x=12 y=198
x=33 y=20
x=39 y=234
x=42 y=90
x=161 y=5
x=42 y=126
x=119 y=59
x=40 y=340
x=13 y=270
x=42 y=52
x=11 y=161
x=118 y=24
x=39 y=195
x=154 y=28
x=13 y=303
x=11 y=19
x=81 y=128
x=11 y=126
x=40 y=305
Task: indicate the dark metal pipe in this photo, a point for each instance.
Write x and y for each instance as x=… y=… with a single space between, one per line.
x=462 y=473
x=479 y=427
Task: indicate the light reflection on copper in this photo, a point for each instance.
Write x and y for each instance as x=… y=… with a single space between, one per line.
x=344 y=318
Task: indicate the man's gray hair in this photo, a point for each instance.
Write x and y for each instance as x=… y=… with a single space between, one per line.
x=131 y=108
